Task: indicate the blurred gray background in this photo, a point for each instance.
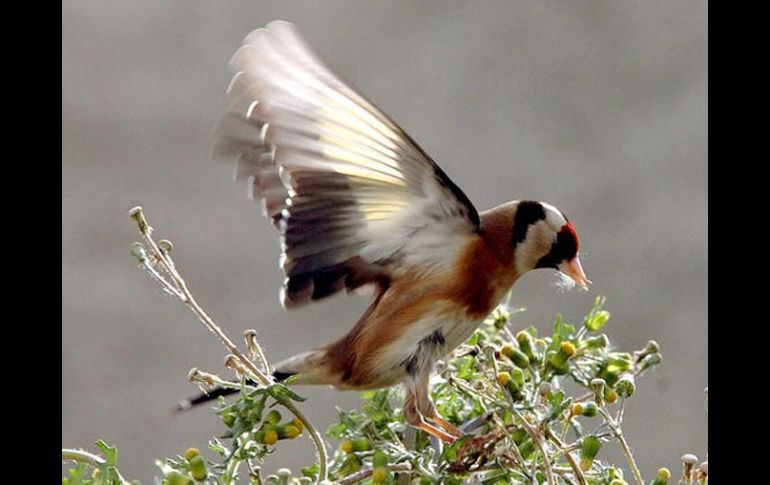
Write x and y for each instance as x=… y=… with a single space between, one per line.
x=597 y=107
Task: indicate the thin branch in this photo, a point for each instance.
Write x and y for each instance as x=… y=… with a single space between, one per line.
x=178 y=287
x=536 y=439
x=618 y=432
x=559 y=444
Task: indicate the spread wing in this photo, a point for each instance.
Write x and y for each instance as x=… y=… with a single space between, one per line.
x=355 y=199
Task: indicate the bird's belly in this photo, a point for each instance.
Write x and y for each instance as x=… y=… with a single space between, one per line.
x=458 y=331
x=430 y=338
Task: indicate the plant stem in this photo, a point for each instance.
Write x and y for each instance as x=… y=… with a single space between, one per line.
x=179 y=289
x=536 y=439
x=82 y=456
x=618 y=432
x=575 y=468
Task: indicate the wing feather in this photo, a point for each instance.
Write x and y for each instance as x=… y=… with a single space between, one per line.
x=355 y=199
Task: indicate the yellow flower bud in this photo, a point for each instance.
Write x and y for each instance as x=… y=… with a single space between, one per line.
x=191 y=453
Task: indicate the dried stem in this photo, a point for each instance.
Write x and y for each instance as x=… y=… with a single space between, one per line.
x=178 y=287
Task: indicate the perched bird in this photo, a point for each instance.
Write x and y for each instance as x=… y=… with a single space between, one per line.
x=360 y=206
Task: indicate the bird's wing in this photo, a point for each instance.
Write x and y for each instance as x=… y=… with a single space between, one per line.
x=355 y=199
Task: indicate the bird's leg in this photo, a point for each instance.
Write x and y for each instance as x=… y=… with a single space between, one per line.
x=414 y=418
x=427 y=409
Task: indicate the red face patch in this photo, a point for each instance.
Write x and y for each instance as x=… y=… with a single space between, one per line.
x=568 y=228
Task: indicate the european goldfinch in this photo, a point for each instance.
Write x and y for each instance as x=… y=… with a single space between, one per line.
x=360 y=206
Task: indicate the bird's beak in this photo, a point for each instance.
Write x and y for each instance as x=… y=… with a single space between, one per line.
x=574 y=270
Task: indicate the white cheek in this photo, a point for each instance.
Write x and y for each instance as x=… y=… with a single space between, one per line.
x=535 y=245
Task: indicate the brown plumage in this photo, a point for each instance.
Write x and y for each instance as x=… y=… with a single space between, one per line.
x=360 y=206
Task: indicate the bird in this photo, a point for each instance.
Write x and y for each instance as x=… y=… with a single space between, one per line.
x=360 y=208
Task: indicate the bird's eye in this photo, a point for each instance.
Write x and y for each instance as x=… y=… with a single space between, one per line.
x=564 y=248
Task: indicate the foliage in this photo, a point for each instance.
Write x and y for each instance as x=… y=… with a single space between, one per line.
x=535 y=409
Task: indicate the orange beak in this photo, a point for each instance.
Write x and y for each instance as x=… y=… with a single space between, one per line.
x=574 y=270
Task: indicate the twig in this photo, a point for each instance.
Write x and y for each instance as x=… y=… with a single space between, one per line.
x=178 y=287
x=536 y=439
x=559 y=444
x=618 y=432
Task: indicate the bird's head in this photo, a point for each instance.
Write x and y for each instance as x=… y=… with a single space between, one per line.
x=543 y=237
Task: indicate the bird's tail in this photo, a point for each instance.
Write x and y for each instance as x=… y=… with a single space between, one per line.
x=306 y=368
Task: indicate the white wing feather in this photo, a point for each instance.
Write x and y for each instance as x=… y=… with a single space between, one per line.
x=355 y=199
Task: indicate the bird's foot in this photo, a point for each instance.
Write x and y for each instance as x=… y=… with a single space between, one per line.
x=446 y=425
x=434 y=431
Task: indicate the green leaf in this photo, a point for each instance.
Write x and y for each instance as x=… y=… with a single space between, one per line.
x=281 y=392
x=110 y=452
x=310 y=471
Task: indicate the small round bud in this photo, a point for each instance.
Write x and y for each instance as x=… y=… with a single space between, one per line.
x=288 y=431
x=663 y=473
x=266 y=437
x=380 y=459
x=652 y=347
x=651 y=361
x=689 y=459
x=283 y=473
x=230 y=361
x=198 y=468
x=362 y=444
x=347 y=446
x=577 y=409
x=298 y=424
x=568 y=348
x=380 y=475
x=139 y=252
x=228 y=418
x=558 y=360
x=704 y=467
x=503 y=378
x=138 y=215
x=598 y=342
x=662 y=477
x=526 y=345
x=176 y=478
x=517 y=356
x=589 y=448
x=191 y=453
x=273 y=417
x=626 y=386
x=610 y=395
x=590 y=409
